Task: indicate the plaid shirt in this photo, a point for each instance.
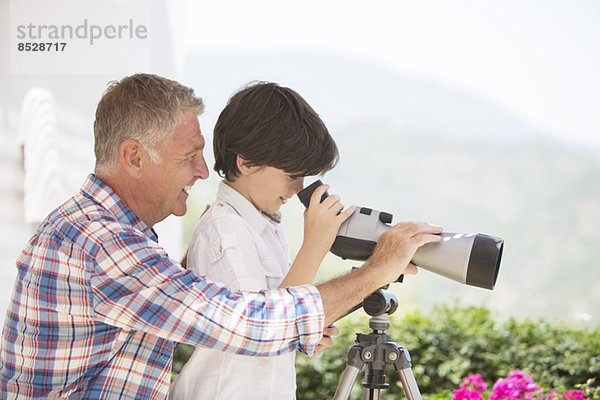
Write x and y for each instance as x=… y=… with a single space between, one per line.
x=98 y=305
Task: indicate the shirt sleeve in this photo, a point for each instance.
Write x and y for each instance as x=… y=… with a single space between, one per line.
x=137 y=286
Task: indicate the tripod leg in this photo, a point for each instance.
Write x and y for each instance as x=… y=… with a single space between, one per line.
x=353 y=366
x=403 y=367
x=409 y=384
x=346 y=382
x=371 y=394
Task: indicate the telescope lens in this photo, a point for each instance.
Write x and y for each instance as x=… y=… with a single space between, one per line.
x=484 y=262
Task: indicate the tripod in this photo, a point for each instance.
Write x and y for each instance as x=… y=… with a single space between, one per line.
x=376 y=351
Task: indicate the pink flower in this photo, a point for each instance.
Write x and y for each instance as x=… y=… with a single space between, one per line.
x=574 y=395
x=516 y=386
x=552 y=396
x=474 y=382
x=466 y=394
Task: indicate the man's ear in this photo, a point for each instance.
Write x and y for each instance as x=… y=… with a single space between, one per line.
x=132 y=157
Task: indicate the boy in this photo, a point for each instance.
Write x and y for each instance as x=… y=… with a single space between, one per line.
x=266 y=140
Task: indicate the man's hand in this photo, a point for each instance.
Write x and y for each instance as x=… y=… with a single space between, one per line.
x=327 y=340
x=396 y=247
x=391 y=258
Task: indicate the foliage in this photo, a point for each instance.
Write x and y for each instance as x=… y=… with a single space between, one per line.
x=182 y=353
x=452 y=342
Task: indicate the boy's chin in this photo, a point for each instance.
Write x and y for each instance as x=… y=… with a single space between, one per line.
x=273 y=210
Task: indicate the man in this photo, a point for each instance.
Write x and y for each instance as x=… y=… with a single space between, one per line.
x=98 y=304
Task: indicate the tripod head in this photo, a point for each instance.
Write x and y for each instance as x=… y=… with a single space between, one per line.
x=380 y=302
x=375 y=351
x=380 y=305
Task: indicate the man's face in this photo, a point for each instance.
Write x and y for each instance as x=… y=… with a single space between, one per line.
x=269 y=188
x=181 y=164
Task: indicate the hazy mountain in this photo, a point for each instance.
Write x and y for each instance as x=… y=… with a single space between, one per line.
x=544 y=201
x=424 y=151
x=344 y=90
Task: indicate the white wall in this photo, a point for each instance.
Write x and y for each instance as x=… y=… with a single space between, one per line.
x=64 y=106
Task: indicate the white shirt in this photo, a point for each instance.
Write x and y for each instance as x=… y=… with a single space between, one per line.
x=236 y=245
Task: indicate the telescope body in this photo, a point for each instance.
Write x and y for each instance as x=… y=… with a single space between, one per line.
x=469 y=258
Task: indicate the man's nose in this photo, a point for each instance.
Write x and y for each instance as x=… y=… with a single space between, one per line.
x=201 y=169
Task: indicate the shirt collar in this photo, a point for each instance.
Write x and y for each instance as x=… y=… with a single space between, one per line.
x=243 y=207
x=103 y=194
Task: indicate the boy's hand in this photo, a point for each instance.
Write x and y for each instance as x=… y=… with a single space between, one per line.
x=322 y=220
x=321 y=224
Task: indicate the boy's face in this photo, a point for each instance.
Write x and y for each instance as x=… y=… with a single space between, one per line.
x=268 y=188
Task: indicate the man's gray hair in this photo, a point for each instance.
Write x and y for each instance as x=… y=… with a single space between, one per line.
x=143 y=107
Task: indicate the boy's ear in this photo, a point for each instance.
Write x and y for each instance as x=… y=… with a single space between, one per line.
x=244 y=166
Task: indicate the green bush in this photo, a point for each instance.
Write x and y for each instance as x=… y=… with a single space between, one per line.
x=453 y=341
x=449 y=343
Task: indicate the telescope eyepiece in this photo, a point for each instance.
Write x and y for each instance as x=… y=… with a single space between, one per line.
x=305 y=194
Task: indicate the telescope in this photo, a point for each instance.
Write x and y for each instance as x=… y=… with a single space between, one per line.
x=469 y=258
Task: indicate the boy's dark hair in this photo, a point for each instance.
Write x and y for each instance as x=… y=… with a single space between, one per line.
x=270 y=125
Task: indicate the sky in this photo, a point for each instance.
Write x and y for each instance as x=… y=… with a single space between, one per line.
x=538 y=59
